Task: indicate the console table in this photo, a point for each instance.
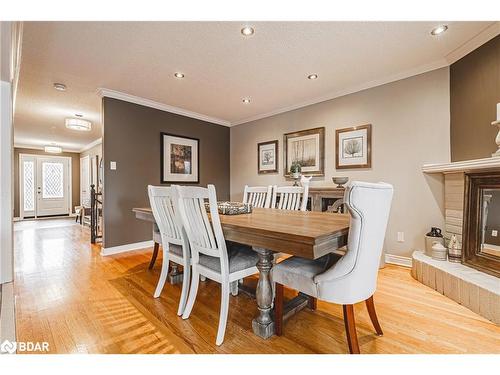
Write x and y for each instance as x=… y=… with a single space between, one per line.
x=322 y=197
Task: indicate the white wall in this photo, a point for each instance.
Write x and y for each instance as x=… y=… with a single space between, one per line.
x=410 y=126
x=6 y=197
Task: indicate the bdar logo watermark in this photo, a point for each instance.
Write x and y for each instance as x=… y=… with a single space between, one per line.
x=11 y=347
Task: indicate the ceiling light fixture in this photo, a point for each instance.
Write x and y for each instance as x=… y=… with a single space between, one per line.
x=178 y=75
x=60 y=86
x=78 y=124
x=247 y=31
x=439 y=30
x=312 y=76
x=53 y=149
x=246 y=100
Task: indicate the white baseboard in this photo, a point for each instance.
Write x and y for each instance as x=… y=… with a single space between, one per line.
x=127 y=247
x=7 y=313
x=398 y=259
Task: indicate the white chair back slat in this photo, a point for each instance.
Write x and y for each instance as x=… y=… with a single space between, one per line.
x=258 y=196
x=160 y=199
x=291 y=197
x=204 y=236
x=208 y=227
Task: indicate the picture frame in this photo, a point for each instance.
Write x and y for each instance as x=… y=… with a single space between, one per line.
x=307 y=147
x=180 y=162
x=267 y=157
x=353 y=147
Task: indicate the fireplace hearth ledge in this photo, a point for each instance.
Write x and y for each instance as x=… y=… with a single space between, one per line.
x=471 y=288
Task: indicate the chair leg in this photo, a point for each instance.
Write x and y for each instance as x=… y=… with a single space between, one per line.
x=155 y=254
x=163 y=274
x=373 y=316
x=233 y=286
x=312 y=303
x=195 y=281
x=186 y=279
x=224 y=308
x=350 y=329
x=278 y=309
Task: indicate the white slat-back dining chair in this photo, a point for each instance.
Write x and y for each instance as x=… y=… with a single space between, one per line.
x=175 y=245
x=353 y=277
x=291 y=197
x=211 y=257
x=258 y=196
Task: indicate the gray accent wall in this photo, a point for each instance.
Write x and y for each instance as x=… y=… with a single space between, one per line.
x=474 y=94
x=132 y=140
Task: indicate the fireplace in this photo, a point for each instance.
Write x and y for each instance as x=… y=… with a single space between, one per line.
x=481 y=228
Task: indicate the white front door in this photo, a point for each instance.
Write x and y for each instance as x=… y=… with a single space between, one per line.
x=52 y=185
x=85 y=181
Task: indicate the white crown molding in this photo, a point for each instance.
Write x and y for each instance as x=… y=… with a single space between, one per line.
x=104 y=92
x=127 y=247
x=484 y=36
x=336 y=94
x=90 y=145
x=462 y=166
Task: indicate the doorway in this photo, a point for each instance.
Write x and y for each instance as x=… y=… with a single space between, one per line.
x=45 y=185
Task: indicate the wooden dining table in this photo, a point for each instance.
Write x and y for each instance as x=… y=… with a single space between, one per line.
x=306 y=234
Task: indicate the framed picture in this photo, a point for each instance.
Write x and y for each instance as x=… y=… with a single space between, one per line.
x=307 y=148
x=353 y=147
x=179 y=159
x=267 y=157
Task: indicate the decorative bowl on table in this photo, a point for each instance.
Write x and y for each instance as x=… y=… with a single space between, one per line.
x=231 y=208
x=340 y=181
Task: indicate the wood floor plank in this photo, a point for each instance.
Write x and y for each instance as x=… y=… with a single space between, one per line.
x=80 y=302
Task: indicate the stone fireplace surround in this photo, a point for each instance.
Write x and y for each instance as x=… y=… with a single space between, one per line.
x=474 y=289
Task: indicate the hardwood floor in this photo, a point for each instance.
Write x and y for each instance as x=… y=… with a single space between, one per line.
x=80 y=302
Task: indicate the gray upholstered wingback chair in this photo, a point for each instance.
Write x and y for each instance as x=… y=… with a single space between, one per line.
x=353 y=277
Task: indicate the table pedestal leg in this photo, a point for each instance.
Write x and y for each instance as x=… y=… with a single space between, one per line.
x=263 y=324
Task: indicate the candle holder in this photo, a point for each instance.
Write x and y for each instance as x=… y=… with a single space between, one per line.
x=497 y=139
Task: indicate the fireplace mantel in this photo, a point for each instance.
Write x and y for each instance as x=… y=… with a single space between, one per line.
x=463 y=166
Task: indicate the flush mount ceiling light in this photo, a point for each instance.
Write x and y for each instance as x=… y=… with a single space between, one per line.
x=60 y=86
x=312 y=76
x=53 y=149
x=439 y=29
x=179 y=75
x=78 y=124
x=247 y=31
x=246 y=100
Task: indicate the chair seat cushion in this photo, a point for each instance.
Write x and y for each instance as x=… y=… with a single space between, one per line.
x=298 y=273
x=240 y=257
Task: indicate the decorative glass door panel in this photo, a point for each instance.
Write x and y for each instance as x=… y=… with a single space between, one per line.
x=52 y=186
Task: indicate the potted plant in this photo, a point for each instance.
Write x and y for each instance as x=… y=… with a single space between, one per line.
x=295 y=169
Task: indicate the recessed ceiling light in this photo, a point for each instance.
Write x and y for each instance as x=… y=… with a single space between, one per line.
x=78 y=124
x=246 y=100
x=247 y=31
x=179 y=75
x=439 y=30
x=312 y=76
x=53 y=149
x=60 y=86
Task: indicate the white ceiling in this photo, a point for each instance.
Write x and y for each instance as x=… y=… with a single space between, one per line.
x=221 y=67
